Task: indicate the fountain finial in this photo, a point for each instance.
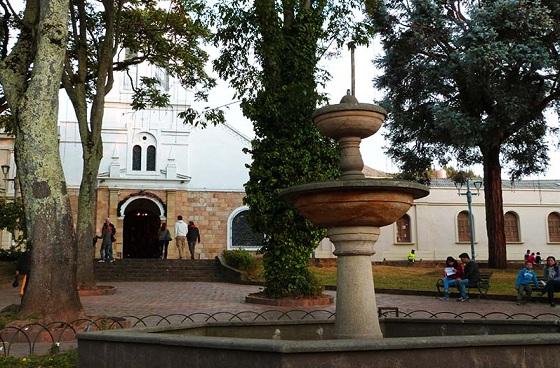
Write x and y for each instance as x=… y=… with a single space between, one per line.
x=349 y=98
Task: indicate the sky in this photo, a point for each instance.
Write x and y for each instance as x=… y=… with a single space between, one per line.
x=372 y=148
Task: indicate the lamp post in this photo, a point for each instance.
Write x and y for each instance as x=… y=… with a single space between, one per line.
x=5 y=171
x=477 y=185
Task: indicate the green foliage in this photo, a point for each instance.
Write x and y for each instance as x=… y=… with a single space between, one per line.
x=463 y=77
x=63 y=360
x=12 y=219
x=470 y=81
x=241 y=259
x=270 y=51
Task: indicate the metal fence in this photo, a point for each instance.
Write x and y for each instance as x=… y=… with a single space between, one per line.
x=39 y=338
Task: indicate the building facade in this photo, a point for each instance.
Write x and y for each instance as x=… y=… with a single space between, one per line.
x=437 y=226
x=155 y=168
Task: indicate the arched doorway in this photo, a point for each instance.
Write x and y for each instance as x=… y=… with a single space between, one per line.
x=140 y=229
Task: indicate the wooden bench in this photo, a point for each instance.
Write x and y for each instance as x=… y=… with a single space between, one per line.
x=482 y=286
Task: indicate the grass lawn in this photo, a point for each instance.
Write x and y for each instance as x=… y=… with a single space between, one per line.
x=420 y=278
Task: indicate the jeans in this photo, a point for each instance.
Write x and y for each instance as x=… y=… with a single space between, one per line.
x=192 y=244
x=524 y=291
x=462 y=285
x=447 y=283
x=163 y=248
x=550 y=288
x=108 y=251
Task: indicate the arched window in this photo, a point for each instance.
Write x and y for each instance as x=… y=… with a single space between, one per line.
x=241 y=234
x=463 y=229
x=554 y=227
x=151 y=158
x=403 y=229
x=137 y=158
x=511 y=227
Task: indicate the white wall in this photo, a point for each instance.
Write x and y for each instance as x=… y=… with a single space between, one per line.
x=434 y=227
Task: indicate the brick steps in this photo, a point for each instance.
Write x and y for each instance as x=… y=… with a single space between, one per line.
x=158 y=270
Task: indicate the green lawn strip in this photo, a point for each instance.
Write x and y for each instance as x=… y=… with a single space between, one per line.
x=419 y=278
x=67 y=359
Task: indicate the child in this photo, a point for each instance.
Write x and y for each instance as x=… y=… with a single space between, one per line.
x=538 y=258
x=411 y=257
x=451 y=273
x=523 y=282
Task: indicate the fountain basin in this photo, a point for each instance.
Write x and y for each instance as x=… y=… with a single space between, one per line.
x=349 y=120
x=356 y=202
x=408 y=343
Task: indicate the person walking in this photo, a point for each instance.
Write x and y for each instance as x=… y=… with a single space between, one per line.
x=525 y=277
x=164 y=239
x=471 y=276
x=193 y=236
x=23 y=269
x=181 y=231
x=108 y=232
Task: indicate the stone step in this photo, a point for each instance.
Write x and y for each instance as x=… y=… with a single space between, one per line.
x=158 y=270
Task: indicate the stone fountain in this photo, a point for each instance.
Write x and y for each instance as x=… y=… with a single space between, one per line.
x=353 y=209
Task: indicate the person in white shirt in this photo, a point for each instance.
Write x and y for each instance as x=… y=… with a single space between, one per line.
x=181 y=231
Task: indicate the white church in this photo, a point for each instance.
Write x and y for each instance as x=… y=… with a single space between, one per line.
x=156 y=168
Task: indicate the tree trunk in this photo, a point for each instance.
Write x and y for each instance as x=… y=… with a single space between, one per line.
x=85 y=228
x=52 y=289
x=497 y=257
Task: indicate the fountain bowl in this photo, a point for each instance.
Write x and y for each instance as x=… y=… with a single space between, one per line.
x=354 y=202
x=349 y=120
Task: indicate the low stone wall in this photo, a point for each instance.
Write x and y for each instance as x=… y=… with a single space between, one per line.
x=518 y=344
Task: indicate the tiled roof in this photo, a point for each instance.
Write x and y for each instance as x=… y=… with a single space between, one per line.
x=507 y=184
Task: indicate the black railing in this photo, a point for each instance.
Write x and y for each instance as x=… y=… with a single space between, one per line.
x=39 y=338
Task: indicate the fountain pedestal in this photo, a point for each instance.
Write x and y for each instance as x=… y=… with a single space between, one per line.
x=356 y=309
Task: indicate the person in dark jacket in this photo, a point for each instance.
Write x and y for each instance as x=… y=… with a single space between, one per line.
x=164 y=239
x=193 y=236
x=108 y=232
x=471 y=276
x=22 y=270
x=551 y=276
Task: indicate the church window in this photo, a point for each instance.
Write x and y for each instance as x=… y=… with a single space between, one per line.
x=163 y=78
x=242 y=235
x=403 y=229
x=511 y=227
x=554 y=227
x=151 y=158
x=137 y=158
x=463 y=229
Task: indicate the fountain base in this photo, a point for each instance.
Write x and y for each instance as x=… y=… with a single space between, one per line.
x=408 y=343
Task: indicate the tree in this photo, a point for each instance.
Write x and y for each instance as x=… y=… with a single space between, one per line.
x=270 y=54
x=470 y=81
x=30 y=73
x=12 y=219
x=116 y=36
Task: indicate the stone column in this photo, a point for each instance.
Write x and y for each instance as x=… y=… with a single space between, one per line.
x=113 y=215
x=170 y=201
x=356 y=309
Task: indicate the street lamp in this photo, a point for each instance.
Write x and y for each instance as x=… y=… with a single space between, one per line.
x=5 y=171
x=477 y=185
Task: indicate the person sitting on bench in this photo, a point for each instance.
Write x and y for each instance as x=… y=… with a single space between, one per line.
x=471 y=276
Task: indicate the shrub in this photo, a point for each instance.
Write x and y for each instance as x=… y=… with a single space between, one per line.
x=63 y=360
x=241 y=259
x=11 y=254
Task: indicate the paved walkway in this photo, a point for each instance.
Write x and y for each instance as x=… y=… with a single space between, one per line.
x=164 y=298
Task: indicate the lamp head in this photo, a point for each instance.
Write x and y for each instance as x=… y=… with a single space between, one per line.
x=5 y=170
x=458 y=186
